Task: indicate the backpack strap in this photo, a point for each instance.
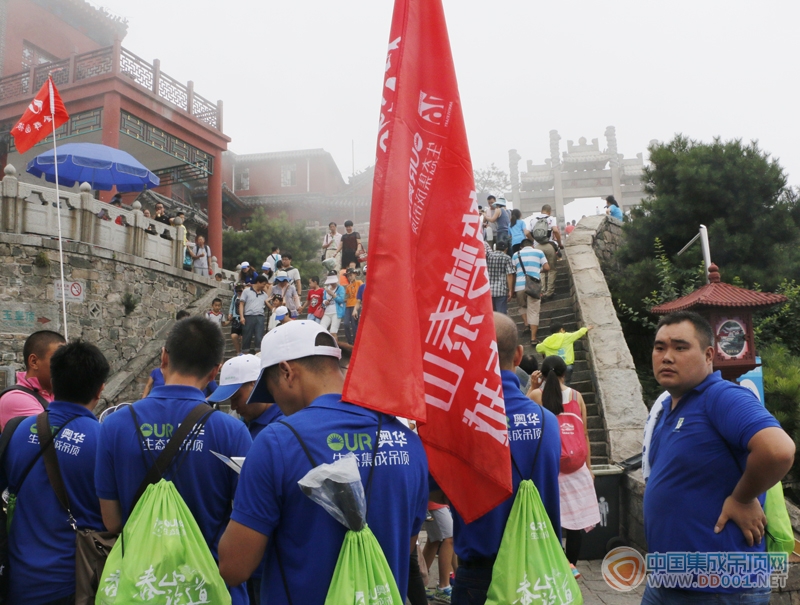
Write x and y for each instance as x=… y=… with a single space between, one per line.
x=46 y=447
x=194 y=422
x=33 y=393
x=314 y=464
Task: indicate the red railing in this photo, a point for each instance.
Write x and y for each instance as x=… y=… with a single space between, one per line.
x=125 y=64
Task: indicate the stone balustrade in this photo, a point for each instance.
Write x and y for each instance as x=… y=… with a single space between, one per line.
x=32 y=209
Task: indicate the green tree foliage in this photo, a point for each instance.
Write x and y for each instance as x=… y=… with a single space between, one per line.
x=737 y=191
x=782 y=391
x=781 y=324
x=263 y=232
x=491 y=180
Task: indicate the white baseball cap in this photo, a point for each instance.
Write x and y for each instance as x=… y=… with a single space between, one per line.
x=245 y=265
x=281 y=312
x=281 y=276
x=287 y=342
x=235 y=373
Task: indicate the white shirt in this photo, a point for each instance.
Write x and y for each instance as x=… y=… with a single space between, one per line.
x=551 y=222
x=337 y=239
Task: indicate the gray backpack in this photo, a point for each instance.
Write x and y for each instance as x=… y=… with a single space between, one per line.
x=541 y=231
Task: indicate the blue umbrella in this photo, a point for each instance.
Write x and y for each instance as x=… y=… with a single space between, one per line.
x=102 y=167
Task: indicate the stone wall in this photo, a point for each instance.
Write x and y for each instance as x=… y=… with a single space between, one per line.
x=128 y=383
x=29 y=268
x=614 y=374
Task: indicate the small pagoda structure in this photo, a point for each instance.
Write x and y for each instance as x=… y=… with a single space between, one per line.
x=729 y=310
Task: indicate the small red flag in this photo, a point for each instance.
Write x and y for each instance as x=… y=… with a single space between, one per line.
x=37 y=122
x=427 y=316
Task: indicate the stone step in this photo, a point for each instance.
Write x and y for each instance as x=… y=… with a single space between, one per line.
x=594 y=422
x=582 y=385
x=598 y=460
x=589 y=399
x=599 y=448
x=592 y=409
x=596 y=435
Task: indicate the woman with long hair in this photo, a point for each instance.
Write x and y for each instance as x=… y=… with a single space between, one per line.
x=579 y=510
x=612 y=208
x=517 y=230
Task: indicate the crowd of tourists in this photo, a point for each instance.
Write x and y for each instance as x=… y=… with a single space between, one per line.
x=69 y=473
x=272 y=544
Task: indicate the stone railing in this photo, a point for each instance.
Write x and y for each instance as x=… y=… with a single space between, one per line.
x=121 y=62
x=30 y=208
x=616 y=382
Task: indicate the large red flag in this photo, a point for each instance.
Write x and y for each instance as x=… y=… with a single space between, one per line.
x=37 y=122
x=426 y=344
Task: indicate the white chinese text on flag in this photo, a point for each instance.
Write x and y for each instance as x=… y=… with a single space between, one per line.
x=426 y=344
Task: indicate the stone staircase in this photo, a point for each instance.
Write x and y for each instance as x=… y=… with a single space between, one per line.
x=561 y=309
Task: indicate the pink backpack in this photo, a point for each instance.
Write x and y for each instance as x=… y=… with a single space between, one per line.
x=573 y=438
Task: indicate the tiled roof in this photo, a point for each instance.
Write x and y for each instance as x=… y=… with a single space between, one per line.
x=718 y=294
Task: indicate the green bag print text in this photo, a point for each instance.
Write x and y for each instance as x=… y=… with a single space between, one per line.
x=166 y=559
x=531 y=567
x=362 y=570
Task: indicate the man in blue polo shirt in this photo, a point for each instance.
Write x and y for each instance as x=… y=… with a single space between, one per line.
x=477 y=543
x=41 y=540
x=714 y=451
x=190 y=359
x=237 y=379
x=301 y=373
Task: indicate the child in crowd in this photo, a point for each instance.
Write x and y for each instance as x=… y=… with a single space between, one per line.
x=233 y=318
x=579 y=510
x=560 y=343
x=282 y=316
x=313 y=300
x=215 y=314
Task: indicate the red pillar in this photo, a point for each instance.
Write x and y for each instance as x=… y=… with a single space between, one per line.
x=215 y=208
x=112 y=111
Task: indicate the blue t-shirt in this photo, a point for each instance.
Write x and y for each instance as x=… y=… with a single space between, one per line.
x=205 y=483
x=158 y=377
x=270 y=502
x=41 y=542
x=533 y=259
x=693 y=470
x=481 y=538
x=158 y=381
x=615 y=211
x=360 y=293
x=270 y=415
x=517 y=231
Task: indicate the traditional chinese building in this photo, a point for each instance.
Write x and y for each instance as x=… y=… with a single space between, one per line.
x=116 y=98
x=306 y=185
x=729 y=309
x=583 y=171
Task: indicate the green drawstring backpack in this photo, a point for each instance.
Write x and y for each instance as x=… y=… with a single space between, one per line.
x=362 y=575
x=531 y=566
x=161 y=555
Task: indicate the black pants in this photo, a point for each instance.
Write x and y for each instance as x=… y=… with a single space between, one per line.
x=416 y=587
x=573 y=547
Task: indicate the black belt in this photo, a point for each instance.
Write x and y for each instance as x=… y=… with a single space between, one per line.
x=478 y=563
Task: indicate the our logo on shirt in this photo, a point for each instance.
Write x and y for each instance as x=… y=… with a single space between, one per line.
x=352 y=441
x=679 y=425
x=157 y=430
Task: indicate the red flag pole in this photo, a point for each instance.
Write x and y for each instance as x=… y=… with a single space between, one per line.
x=58 y=206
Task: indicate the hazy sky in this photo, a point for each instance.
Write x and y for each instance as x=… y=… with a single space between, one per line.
x=297 y=74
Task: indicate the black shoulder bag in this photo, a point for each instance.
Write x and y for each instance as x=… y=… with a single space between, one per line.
x=92 y=547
